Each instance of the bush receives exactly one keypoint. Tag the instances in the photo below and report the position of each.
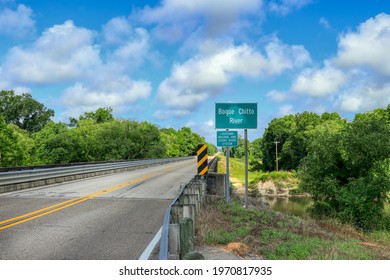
(347, 171)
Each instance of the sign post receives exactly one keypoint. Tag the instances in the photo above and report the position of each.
(236, 116)
(227, 139)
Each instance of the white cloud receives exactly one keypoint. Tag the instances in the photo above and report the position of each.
(284, 7)
(320, 82)
(198, 78)
(217, 8)
(117, 31)
(116, 92)
(285, 110)
(167, 114)
(68, 54)
(278, 96)
(63, 53)
(175, 18)
(16, 23)
(364, 98)
(369, 46)
(131, 53)
(208, 74)
(325, 23)
(281, 57)
(205, 129)
(357, 77)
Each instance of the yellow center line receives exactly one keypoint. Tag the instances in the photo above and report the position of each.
(40, 210)
(44, 214)
(65, 204)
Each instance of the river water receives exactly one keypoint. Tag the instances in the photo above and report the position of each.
(296, 205)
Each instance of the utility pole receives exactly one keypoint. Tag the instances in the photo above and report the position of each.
(276, 143)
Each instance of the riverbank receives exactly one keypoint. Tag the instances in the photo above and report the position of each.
(269, 234)
(269, 184)
(262, 233)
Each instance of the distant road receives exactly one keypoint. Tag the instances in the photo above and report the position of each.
(110, 217)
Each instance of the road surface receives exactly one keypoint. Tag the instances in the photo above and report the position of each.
(110, 217)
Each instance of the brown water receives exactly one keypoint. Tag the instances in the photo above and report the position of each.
(297, 205)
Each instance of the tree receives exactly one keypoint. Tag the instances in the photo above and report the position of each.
(55, 143)
(280, 130)
(188, 141)
(295, 147)
(11, 154)
(24, 111)
(170, 140)
(255, 160)
(211, 149)
(239, 151)
(347, 170)
(99, 116)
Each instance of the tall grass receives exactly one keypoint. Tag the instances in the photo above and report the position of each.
(274, 235)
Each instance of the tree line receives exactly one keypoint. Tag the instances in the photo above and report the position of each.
(344, 165)
(28, 136)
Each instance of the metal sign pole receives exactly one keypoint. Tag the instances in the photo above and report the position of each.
(227, 187)
(246, 166)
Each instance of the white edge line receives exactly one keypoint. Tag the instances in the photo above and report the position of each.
(148, 251)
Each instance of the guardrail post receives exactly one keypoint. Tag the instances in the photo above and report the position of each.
(174, 241)
(186, 237)
(176, 213)
(189, 199)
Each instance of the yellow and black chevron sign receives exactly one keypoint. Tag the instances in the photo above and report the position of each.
(202, 159)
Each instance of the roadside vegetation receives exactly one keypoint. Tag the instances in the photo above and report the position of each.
(343, 165)
(28, 136)
(276, 236)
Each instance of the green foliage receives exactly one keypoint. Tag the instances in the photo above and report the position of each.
(55, 144)
(347, 170)
(99, 116)
(278, 236)
(278, 130)
(294, 134)
(182, 142)
(280, 175)
(211, 149)
(95, 136)
(170, 140)
(10, 151)
(24, 111)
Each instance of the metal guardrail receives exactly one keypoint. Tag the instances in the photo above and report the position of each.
(213, 164)
(163, 253)
(18, 177)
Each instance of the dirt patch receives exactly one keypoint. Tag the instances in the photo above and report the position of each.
(269, 188)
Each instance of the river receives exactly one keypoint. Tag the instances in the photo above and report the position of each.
(297, 205)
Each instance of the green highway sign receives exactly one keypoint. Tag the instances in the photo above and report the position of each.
(227, 138)
(235, 115)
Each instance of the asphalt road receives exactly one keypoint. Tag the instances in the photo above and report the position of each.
(110, 217)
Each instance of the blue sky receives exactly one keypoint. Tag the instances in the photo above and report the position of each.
(168, 62)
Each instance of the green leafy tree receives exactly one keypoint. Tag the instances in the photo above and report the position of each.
(279, 130)
(256, 152)
(211, 149)
(11, 153)
(24, 111)
(169, 139)
(294, 149)
(55, 143)
(347, 170)
(188, 141)
(100, 115)
(239, 151)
